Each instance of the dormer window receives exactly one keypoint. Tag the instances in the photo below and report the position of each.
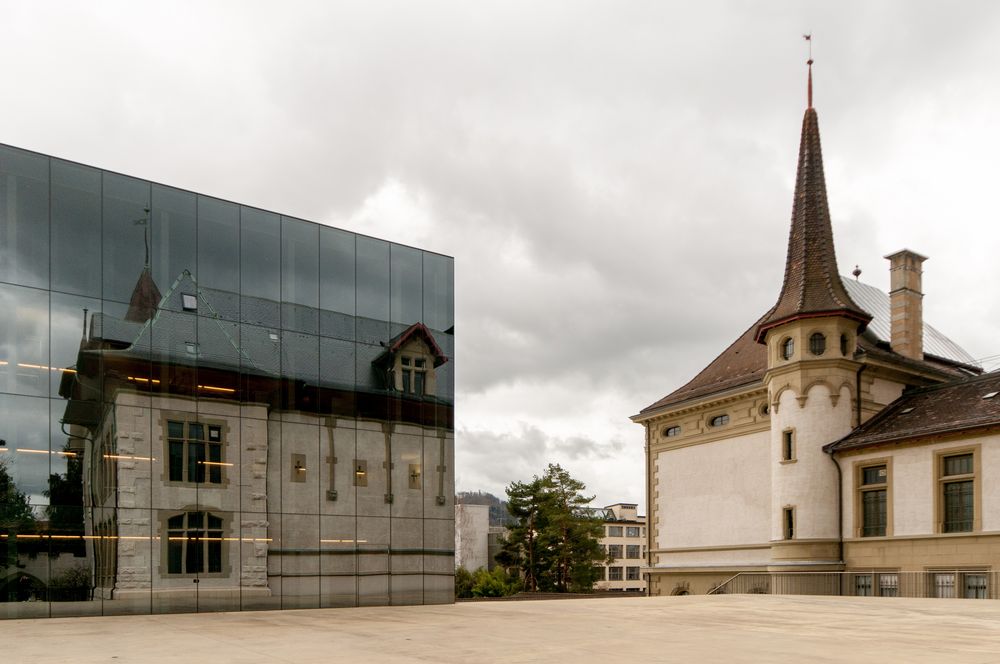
(414, 374)
(189, 302)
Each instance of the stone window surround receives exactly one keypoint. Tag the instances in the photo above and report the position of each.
(165, 516)
(188, 417)
(939, 481)
(857, 473)
(791, 456)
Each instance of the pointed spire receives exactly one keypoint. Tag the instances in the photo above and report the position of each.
(812, 285)
(145, 298)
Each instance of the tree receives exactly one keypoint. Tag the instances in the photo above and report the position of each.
(554, 540)
(15, 515)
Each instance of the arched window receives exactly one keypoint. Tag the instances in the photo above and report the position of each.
(194, 543)
(718, 421)
(670, 432)
(817, 343)
(787, 348)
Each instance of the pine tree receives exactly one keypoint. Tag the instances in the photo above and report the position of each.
(554, 540)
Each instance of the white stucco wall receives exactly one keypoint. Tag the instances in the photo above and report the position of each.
(714, 494)
(914, 484)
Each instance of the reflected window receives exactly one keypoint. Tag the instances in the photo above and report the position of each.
(191, 456)
(414, 373)
(189, 302)
(194, 543)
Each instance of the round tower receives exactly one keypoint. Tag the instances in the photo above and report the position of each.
(811, 335)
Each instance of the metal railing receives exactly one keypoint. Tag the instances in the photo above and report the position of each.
(943, 583)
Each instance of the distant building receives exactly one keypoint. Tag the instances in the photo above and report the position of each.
(625, 541)
(839, 433)
(207, 406)
(472, 529)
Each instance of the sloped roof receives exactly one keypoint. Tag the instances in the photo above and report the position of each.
(963, 405)
(745, 361)
(812, 285)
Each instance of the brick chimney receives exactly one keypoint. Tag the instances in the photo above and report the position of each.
(906, 303)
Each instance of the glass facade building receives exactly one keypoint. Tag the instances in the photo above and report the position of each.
(206, 406)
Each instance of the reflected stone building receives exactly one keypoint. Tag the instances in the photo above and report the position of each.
(206, 406)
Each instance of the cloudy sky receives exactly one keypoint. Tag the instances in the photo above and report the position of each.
(614, 179)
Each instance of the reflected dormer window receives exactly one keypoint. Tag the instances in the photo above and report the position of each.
(189, 302)
(414, 375)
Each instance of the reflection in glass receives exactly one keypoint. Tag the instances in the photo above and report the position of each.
(183, 416)
(24, 218)
(76, 229)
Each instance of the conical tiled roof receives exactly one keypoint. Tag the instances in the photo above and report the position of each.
(812, 285)
(145, 298)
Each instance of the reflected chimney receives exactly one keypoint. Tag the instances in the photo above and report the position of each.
(906, 303)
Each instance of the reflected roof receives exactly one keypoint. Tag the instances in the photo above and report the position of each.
(744, 362)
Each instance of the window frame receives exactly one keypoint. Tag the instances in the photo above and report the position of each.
(817, 344)
(616, 571)
(210, 465)
(788, 522)
(860, 488)
(788, 446)
(719, 420)
(941, 481)
(225, 568)
(616, 551)
(786, 348)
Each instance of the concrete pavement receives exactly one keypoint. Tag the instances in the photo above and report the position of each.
(735, 628)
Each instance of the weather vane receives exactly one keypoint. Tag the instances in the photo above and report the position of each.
(809, 38)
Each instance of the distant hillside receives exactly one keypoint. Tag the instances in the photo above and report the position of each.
(499, 516)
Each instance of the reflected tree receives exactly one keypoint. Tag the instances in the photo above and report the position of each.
(15, 516)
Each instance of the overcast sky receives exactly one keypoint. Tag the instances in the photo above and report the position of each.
(614, 179)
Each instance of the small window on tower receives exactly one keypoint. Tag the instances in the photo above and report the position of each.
(787, 348)
(789, 523)
(817, 343)
(843, 345)
(788, 445)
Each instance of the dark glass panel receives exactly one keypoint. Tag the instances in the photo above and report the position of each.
(406, 279)
(214, 469)
(176, 461)
(373, 278)
(174, 239)
(337, 291)
(76, 229)
(175, 552)
(299, 275)
(24, 452)
(24, 340)
(24, 218)
(67, 342)
(260, 262)
(299, 369)
(959, 509)
(874, 511)
(219, 257)
(874, 475)
(196, 431)
(125, 230)
(196, 462)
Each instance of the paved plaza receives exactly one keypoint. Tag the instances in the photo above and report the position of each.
(747, 628)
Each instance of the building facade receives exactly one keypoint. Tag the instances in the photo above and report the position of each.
(839, 434)
(205, 406)
(624, 542)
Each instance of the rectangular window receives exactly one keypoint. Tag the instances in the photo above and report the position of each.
(614, 531)
(958, 493)
(191, 458)
(863, 585)
(874, 497)
(615, 550)
(631, 573)
(599, 570)
(614, 574)
(632, 551)
(789, 523)
(888, 585)
(787, 446)
(944, 584)
(975, 586)
(631, 531)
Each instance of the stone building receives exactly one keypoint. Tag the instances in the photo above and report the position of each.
(840, 433)
(206, 406)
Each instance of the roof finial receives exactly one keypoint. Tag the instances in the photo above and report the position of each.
(856, 272)
(809, 62)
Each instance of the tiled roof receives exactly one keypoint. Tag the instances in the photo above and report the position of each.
(957, 406)
(145, 297)
(745, 361)
(812, 284)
